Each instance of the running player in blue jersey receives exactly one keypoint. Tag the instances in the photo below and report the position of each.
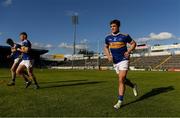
(26, 62)
(16, 55)
(117, 52)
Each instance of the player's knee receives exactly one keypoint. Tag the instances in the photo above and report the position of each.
(121, 80)
(18, 72)
(30, 74)
(13, 70)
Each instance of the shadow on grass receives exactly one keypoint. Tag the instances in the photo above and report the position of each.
(72, 84)
(63, 81)
(153, 92)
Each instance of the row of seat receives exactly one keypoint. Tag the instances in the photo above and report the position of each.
(148, 62)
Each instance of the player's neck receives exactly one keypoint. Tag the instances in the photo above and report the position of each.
(115, 33)
(24, 39)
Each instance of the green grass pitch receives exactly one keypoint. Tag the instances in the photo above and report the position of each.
(90, 93)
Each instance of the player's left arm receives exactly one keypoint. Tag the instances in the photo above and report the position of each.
(132, 47)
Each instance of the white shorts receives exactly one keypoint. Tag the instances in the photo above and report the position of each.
(17, 60)
(27, 63)
(123, 65)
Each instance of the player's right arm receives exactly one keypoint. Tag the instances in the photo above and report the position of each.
(10, 56)
(24, 48)
(107, 52)
(13, 49)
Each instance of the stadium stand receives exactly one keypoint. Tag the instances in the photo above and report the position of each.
(149, 62)
(173, 62)
(158, 57)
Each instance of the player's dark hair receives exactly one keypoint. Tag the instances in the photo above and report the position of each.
(24, 33)
(10, 42)
(117, 22)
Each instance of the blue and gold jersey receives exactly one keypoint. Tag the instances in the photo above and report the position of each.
(16, 54)
(27, 44)
(118, 46)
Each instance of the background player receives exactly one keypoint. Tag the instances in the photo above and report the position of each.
(16, 55)
(26, 62)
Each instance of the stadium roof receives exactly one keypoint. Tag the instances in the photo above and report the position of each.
(7, 50)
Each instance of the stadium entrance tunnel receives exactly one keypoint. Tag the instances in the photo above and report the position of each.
(6, 50)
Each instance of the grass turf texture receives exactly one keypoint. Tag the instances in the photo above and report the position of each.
(90, 93)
